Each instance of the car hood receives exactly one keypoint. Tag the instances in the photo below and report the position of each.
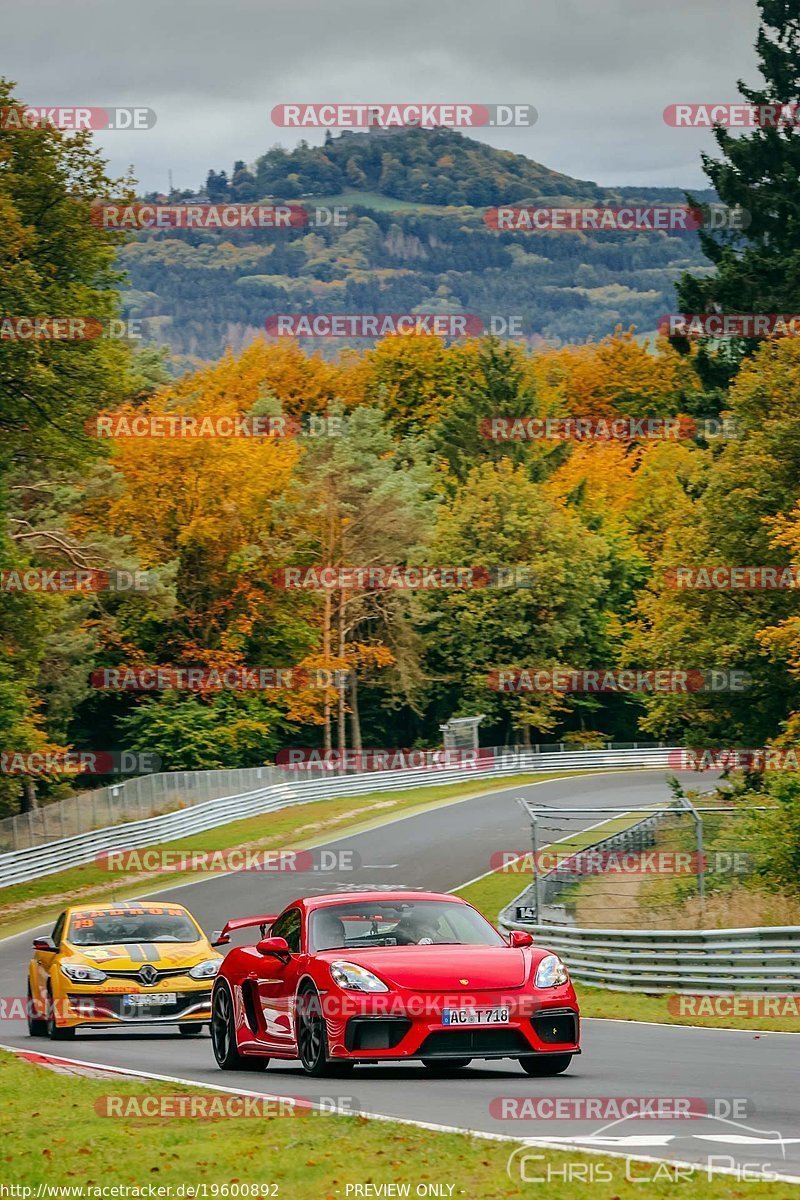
(132, 955)
(441, 968)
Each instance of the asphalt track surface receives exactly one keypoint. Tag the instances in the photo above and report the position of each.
(441, 849)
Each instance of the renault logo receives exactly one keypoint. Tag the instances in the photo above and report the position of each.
(148, 975)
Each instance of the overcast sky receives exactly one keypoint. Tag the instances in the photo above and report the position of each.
(599, 72)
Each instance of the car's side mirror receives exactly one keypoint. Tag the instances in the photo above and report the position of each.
(519, 938)
(277, 946)
(45, 943)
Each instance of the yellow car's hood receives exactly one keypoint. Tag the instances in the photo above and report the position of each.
(132, 955)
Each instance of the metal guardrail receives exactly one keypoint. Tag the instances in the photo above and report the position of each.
(151, 795)
(716, 961)
(712, 961)
(300, 787)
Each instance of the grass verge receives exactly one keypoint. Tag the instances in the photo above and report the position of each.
(56, 1136)
(300, 826)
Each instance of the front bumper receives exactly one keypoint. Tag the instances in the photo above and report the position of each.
(108, 1009)
(379, 1032)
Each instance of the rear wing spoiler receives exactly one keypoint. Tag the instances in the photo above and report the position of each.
(221, 937)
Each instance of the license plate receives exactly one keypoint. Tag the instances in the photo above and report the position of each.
(151, 998)
(475, 1016)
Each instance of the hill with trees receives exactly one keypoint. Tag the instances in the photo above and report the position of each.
(415, 240)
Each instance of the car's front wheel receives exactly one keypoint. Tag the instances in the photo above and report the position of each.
(223, 1035)
(37, 1026)
(190, 1030)
(545, 1064)
(312, 1037)
(443, 1066)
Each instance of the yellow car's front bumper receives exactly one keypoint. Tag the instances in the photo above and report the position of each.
(185, 1001)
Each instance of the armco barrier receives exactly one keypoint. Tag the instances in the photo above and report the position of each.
(714, 961)
(301, 787)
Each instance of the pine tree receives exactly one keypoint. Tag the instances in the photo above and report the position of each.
(757, 269)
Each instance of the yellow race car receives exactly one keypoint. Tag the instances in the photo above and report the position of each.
(134, 963)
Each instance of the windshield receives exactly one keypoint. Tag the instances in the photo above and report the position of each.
(113, 927)
(400, 923)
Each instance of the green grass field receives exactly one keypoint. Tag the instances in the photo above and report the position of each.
(54, 1135)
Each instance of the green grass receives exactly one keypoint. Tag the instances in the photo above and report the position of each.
(55, 1136)
(492, 893)
(635, 1006)
(376, 200)
(300, 826)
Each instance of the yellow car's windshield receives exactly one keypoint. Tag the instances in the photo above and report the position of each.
(109, 928)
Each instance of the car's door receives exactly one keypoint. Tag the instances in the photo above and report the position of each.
(43, 962)
(276, 982)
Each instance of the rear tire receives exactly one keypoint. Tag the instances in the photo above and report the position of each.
(193, 1030)
(56, 1033)
(37, 1026)
(443, 1066)
(223, 1035)
(545, 1064)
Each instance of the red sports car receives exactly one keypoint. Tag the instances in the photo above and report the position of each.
(367, 977)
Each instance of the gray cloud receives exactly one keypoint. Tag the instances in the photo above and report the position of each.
(600, 75)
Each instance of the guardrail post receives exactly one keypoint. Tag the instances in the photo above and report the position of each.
(701, 864)
(536, 890)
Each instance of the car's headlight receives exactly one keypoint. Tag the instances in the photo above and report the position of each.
(551, 972)
(207, 969)
(355, 978)
(80, 973)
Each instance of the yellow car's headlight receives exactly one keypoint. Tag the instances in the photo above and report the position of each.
(80, 973)
(207, 969)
